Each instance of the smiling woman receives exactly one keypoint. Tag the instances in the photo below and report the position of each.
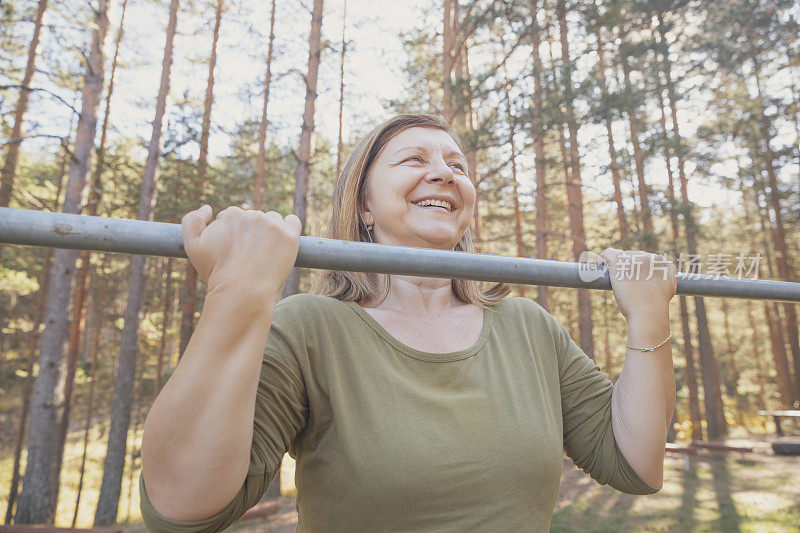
(406, 160)
(409, 404)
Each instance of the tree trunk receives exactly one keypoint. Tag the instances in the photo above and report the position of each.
(167, 312)
(612, 151)
(39, 491)
(341, 91)
(734, 372)
(540, 161)
(258, 202)
(750, 318)
(647, 240)
(609, 366)
(189, 295)
(756, 341)
(515, 193)
(43, 281)
(691, 374)
(303, 170)
(695, 416)
(29, 381)
(9, 172)
(93, 370)
(780, 357)
(795, 114)
(715, 418)
(782, 257)
(106, 512)
(82, 279)
(779, 353)
(447, 61)
(574, 194)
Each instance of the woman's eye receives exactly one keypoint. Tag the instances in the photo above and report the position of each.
(414, 158)
(459, 166)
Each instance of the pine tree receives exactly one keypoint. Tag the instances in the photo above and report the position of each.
(106, 512)
(37, 501)
(189, 293)
(262, 128)
(9, 171)
(303, 171)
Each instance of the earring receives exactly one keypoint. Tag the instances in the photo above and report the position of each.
(369, 227)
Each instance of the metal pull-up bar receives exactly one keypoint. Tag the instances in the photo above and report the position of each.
(103, 234)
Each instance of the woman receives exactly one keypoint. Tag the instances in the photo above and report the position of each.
(410, 404)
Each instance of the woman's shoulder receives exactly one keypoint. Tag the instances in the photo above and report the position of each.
(308, 308)
(528, 312)
(521, 305)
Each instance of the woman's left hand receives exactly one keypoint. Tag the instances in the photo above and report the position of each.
(643, 283)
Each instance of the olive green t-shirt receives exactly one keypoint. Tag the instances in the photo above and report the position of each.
(389, 438)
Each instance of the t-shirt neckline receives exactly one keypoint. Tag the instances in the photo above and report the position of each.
(432, 357)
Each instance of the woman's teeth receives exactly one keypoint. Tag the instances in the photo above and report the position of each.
(437, 203)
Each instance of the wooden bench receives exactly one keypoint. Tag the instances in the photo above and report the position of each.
(686, 451)
(719, 447)
(777, 415)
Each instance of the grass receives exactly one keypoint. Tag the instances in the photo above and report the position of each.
(720, 493)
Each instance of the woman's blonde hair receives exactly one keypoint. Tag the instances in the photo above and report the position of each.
(347, 223)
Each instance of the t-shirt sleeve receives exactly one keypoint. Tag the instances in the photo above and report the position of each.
(281, 413)
(586, 410)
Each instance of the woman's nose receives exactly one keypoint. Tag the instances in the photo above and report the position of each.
(441, 173)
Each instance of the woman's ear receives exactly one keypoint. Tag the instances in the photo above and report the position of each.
(366, 214)
(367, 217)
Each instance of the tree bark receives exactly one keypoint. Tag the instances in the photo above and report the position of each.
(339, 144)
(29, 381)
(43, 281)
(540, 161)
(756, 342)
(695, 416)
(612, 151)
(574, 194)
(106, 512)
(780, 356)
(9, 171)
(783, 258)
(301, 175)
(515, 193)
(189, 295)
(447, 61)
(93, 369)
(258, 202)
(167, 312)
(715, 417)
(82, 279)
(39, 491)
(648, 240)
(734, 372)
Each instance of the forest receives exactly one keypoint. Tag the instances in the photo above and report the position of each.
(669, 126)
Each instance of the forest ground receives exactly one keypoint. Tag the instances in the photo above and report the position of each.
(730, 493)
(734, 492)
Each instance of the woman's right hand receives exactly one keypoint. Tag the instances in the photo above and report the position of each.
(247, 250)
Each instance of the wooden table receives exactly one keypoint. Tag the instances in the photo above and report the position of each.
(777, 415)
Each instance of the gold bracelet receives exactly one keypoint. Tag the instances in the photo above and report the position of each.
(657, 346)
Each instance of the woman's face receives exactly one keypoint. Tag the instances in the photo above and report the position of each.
(418, 191)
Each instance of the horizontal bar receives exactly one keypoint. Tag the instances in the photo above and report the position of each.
(103, 234)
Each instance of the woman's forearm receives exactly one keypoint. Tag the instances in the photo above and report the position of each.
(644, 396)
(198, 433)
